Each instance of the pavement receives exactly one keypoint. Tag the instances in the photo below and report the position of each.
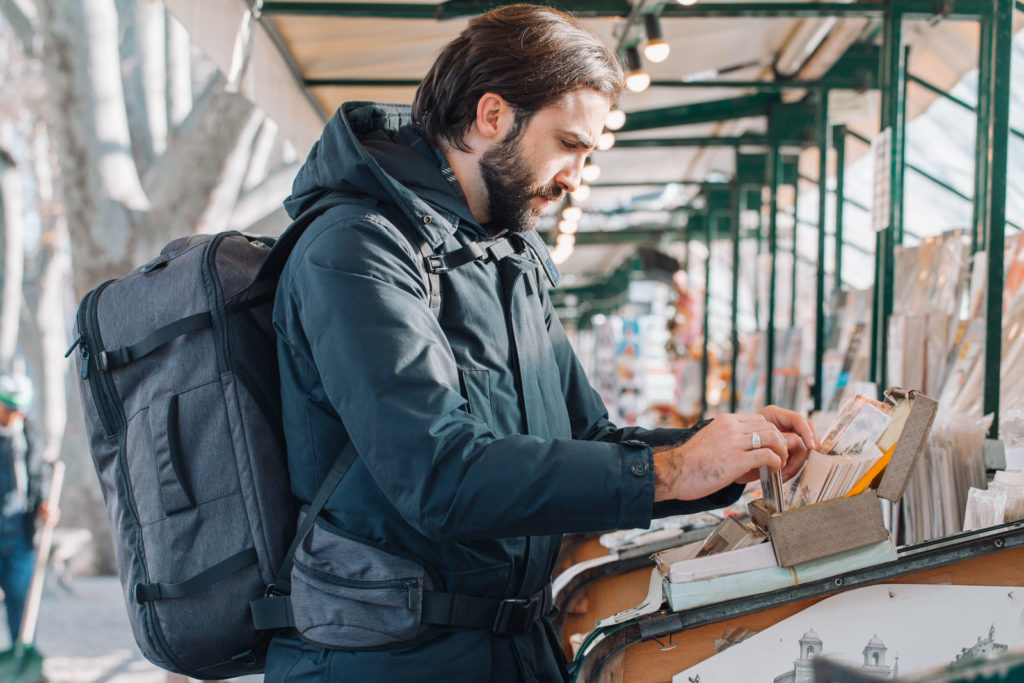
(84, 635)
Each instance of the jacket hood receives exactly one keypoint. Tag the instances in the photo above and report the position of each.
(359, 153)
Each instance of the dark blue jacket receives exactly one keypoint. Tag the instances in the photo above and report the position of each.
(479, 438)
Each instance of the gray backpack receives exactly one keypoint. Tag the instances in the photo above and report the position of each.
(180, 389)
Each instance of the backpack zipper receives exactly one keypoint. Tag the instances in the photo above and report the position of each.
(89, 335)
(356, 583)
(216, 296)
(154, 624)
(104, 392)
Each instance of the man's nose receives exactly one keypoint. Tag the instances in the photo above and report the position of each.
(569, 178)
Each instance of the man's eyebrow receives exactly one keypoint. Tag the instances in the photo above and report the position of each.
(582, 139)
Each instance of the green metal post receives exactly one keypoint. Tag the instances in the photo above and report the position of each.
(893, 77)
(824, 143)
(737, 208)
(998, 92)
(704, 365)
(775, 175)
(839, 142)
(757, 257)
(796, 226)
(981, 140)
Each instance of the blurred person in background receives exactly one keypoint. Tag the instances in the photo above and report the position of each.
(23, 482)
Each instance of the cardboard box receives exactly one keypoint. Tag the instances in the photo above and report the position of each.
(833, 526)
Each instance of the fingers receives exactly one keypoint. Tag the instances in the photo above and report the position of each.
(771, 440)
(762, 457)
(741, 433)
(796, 462)
(788, 421)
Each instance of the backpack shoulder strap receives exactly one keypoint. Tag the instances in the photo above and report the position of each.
(420, 244)
(274, 263)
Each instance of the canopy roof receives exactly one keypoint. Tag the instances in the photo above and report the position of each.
(306, 58)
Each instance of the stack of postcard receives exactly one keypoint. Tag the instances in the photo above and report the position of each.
(854, 451)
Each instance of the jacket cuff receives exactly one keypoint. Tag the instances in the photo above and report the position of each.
(638, 485)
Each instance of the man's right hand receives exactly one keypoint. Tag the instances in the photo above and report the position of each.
(720, 454)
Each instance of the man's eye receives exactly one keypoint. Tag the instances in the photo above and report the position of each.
(569, 144)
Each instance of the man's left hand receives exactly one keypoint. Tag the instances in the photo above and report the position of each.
(799, 434)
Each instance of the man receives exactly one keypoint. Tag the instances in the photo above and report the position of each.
(476, 439)
(21, 494)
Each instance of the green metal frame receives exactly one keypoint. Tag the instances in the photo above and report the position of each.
(774, 178)
(824, 145)
(994, 85)
(699, 112)
(704, 365)
(737, 202)
(960, 9)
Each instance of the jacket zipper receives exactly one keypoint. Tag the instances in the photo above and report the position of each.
(518, 377)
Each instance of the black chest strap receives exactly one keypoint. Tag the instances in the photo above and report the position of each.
(489, 251)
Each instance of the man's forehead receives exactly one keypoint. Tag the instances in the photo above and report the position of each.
(583, 111)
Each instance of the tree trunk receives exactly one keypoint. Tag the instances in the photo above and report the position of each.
(13, 228)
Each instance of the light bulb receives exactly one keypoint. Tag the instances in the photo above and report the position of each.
(607, 139)
(638, 81)
(591, 172)
(561, 254)
(656, 51)
(582, 193)
(572, 213)
(567, 227)
(565, 241)
(616, 119)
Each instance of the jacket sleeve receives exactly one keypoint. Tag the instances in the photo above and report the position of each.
(589, 419)
(388, 371)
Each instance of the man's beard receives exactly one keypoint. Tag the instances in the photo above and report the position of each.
(510, 189)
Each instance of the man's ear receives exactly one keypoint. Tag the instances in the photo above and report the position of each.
(494, 116)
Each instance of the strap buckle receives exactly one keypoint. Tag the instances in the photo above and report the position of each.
(436, 263)
(515, 615)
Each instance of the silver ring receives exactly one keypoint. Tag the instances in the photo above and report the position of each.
(755, 441)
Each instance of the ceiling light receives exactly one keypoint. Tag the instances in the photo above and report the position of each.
(591, 171)
(656, 49)
(616, 119)
(572, 213)
(582, 193)
(568, 227)
(607, 139)
(561, 254)
(638, 80)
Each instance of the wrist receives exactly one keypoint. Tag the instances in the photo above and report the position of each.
(665, 474)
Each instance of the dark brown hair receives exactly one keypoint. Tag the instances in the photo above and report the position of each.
(529, 54)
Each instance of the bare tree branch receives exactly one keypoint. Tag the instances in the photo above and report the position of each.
(179, 72)
(12, 225)
(182, 182)
(21, 24)
(259, 164)
(260, 210)
(225, 193)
